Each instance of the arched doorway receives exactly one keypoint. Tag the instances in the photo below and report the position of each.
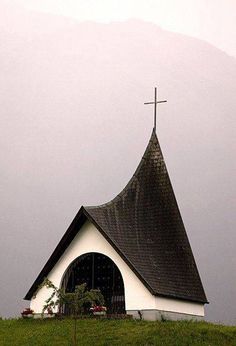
(98, 272)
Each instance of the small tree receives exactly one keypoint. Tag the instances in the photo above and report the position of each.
(77, 301)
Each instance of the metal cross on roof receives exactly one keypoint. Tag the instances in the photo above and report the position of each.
(155, 106)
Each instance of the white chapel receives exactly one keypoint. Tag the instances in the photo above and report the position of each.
(134, 249)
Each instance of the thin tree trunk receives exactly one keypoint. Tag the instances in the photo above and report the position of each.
(75, 331)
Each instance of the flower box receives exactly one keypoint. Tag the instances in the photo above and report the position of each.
(99, 313)
(27, 313)
(98, 310)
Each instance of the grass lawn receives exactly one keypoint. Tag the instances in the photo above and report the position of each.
(114, 332)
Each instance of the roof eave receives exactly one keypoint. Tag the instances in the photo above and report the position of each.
(170, 296)
(57, 253)
(66, 240)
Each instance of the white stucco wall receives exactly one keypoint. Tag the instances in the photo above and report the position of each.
(137, 296)
(177, 305)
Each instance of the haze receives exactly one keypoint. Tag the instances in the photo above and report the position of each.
(210, 20)
(74, 128)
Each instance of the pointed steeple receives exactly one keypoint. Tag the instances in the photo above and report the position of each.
(145, 224)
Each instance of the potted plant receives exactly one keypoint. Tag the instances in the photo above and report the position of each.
(98, 310)
(27, 312)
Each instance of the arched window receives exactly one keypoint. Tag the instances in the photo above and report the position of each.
(98, 272)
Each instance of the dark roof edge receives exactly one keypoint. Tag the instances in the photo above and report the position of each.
(177, 206)
(57, 253)
(153, 136)
(181, 298)
(65, 241)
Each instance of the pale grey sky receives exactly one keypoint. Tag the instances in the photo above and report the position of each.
(210, 20)
(59, 150)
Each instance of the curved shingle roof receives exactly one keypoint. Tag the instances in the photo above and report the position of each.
(143, 223)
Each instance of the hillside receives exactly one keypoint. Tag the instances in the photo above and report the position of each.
(108, 332)
(74, 128)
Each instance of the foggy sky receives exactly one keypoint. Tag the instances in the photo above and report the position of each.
(210, 20)
(74, 128)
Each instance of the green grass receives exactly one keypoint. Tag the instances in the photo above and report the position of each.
(114, 332)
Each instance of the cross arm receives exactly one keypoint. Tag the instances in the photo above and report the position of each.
(152, 103)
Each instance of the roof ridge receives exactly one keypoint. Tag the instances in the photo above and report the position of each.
(152, 139)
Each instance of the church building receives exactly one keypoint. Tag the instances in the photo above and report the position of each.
(134, 249)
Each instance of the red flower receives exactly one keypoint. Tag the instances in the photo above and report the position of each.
(27, 311)
(99, 308)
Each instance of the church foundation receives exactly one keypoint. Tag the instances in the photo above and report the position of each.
(159, 315)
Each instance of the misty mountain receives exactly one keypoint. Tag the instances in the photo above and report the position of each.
(74, 128)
